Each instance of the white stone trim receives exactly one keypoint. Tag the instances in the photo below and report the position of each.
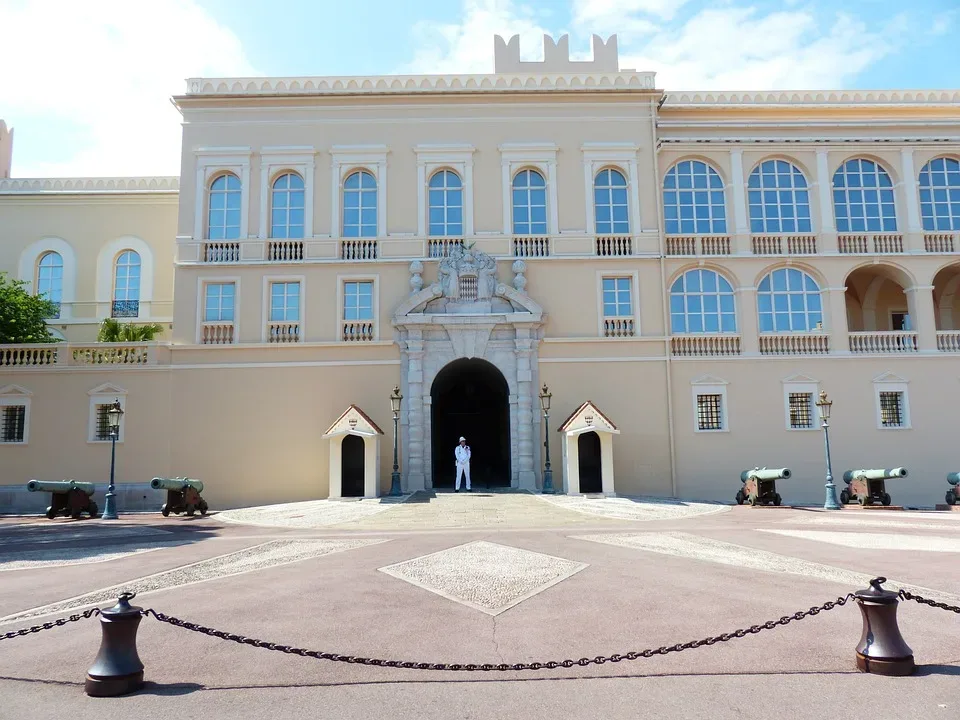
(888, 382)
(90, 186)
(202, 283)
(708, 385)
(344, 159)
(820, 98)
(541, 156)
(798, 386)
(13, 396)
(105, 395)
(106, 268)
(268, 280)
(430, 159)
(274, 160)
(634, 277)
(28, 269)
(363, 277)
(213, 161)
(739, 196)
(623, 157)
(824, 182)
(911, 182)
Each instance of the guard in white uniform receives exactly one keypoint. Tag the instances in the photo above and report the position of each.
(462, 454)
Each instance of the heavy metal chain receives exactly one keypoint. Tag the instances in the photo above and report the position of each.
(907, 595)
(52, 624)
(582, 662)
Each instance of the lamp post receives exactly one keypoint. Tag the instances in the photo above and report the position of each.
(395, 399)
(824, 404)
(545, 396)
(113, 420)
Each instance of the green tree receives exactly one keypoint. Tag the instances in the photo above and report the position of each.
(113, 331)
(22, 315)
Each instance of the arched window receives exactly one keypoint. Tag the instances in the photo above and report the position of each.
(788, 300)
(286, 207)
(777, 194)
(610, 205)
(701, 301)
(693, 199)
(529, 203)
(360, 205)
(940, 195)
(446, 204)
(223, 208)
(50, 278)
(126, 285)
(863, 198)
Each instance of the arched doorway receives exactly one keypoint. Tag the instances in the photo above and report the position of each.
(588, 446)
(471, 398)
(351, 466)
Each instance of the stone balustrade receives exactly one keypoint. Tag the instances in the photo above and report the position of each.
(870, 243)
(693, 245)
(794, 344)
(357, 331)
(883, 342)
(533, 246)
(784, 244)
(283, 332)
(704, 345)
(285, 250)
(618, 327)
(359, 249)
(80, 354)
(216, 333)
(948, 341)
(614, 245)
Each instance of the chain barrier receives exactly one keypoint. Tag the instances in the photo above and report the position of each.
(52, 624)
(907, 595)
(503, 667)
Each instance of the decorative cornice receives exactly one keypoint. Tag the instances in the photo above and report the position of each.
(168, 184)
(814, 97)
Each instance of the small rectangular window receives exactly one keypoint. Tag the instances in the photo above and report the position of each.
(13, 423)
(710, 412)
(102, 431)
(358, 300)
(285, 302)
(219, 302)
(617, 301)
(891, 409)
(801, 410)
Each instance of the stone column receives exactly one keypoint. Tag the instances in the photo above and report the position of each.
(416, 418)
(922, 318)
(913, 242)
(836, 317)
(527, 478)
(741, 230)
(747, 320)
(828, 230)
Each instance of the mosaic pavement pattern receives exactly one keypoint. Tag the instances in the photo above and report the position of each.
(913, 521)
(639, 508)
(876, 541)
(266, 555)
(37, 559)
(310, 514)
(486, 576)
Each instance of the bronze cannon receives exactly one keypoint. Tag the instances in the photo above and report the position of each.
(183, 495)
(869, 486)
(953, 496)
(67, 497)
(760, 486)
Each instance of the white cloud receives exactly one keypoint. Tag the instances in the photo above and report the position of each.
(105, 69)
(943, 22)
(620, 16)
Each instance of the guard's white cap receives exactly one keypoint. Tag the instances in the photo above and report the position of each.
(463, 439)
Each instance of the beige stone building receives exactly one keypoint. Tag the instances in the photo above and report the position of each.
(698, 266)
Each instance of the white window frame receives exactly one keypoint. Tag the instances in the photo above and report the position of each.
(274, 161)
(202, 283)
(541, 157)
(30, 257)
(711, 386)
(619, 156)
(105, 395)
(892, 384)
(811, 388)
(213, 161)
(346, 159)
(106, 272)
(634, 278)
(430, 159)
(342, 280)
(14, 396)
(268, 280)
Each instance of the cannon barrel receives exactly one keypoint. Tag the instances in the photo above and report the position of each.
(60, 486)
(953, 478)
(179, 483)
(878, 474)
(766, 474)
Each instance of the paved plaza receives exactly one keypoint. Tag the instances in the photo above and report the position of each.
(483, 577)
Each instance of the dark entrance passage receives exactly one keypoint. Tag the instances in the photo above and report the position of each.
(351, 466)
(588, 446)
(471, 398)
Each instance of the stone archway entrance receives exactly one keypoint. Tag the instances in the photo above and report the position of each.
(470, 397)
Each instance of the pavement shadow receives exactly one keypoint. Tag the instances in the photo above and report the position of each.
(169, 689)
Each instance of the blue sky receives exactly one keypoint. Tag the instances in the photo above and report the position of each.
(96, 101)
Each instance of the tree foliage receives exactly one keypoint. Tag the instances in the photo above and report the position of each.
(22, 315)
(113, 331)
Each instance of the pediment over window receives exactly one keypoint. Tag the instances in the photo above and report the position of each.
(889, 377)
(586, 418)
(353, 421)
(14, 391)
(709, 380)
(107, 389)
(800, 378)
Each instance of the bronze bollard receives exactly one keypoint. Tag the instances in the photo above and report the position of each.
(117, 669)
(882, 649)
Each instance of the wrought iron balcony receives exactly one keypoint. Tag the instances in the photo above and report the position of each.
(125, 309)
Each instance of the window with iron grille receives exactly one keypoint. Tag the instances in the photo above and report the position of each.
(801, 410)
(891, 409)
(103, 422)
(13, 423)
(710, 412)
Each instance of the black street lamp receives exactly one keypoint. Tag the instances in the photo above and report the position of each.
(395, 399)
(113, 421)
(545, 396)
(830, 502)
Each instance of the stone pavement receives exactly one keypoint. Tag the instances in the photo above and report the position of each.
(508, 577)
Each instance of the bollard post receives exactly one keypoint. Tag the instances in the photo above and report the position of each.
(882, 649)
(117, 669)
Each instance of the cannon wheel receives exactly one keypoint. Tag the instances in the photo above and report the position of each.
(93, 509)
(203, 507)
(740, 497)
(845, 497)
(50, 513)
(191, 510)
(885, 499)
(951, 497)
(752, 499)
(777, 499)
(165, 510)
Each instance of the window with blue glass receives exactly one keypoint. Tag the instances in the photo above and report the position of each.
(285, 302)
(701, 301)
(610, 206)
(778, 198)
(358, 300)
(788, 300)
(445, 204)
(287, 207)
(126, 285)
(940, 195)
(218, 302)
(617, 301)
(863, 198)
(50, 277)
(693, 199)
(529, 203)
(223, 208)
(360, 205)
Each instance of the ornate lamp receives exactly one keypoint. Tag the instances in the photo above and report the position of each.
(824, 404)
(114, 414)
(395, 400)
(545, 396)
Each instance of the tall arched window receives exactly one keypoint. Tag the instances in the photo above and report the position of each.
(863, 198)
(126, 285)
(286, 207)
(446, 204)
(701, 301)
(693, 199)
(50, 279)
(360, 205)
(529, 203)
(940, 195)
(788, 300)
(223, 208)
(778, 198)
(610, 206)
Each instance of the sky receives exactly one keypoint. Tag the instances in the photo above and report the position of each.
(86, 86)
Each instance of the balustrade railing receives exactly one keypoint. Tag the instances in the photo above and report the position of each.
(29, 355)
(618, 327)
(704, 345)
(221, 252)
(784, 244)
(863, 244)
(285, 250)
(939, 242)
(614, 245)
(531, 246)
(283, 332)
(883, 342)
(795, 344)
(441, 247)
(79, 354)
(357, 331)
(948, 341)
(359, 249)
(216, 333)
(689, 245)
(110, 354)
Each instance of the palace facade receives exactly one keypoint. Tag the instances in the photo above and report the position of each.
(686, 271)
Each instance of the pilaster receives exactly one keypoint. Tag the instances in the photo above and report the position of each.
(924, 321)
(837, 320)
